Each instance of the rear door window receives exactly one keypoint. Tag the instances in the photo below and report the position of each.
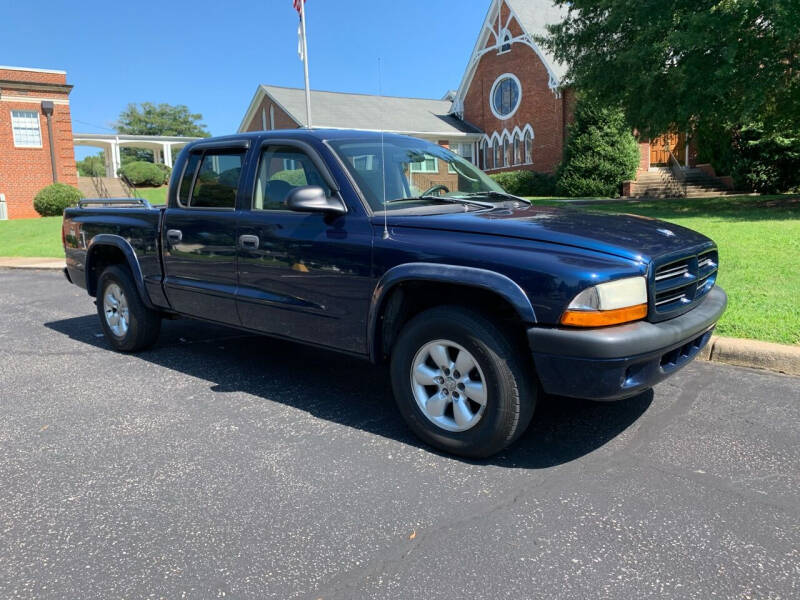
(217, 181)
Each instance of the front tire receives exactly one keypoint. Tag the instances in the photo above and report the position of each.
(129, 326)
(460, 383)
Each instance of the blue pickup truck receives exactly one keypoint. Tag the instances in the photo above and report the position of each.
(390, 248)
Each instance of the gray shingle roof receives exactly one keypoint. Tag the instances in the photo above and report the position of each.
(361, 111)
(535, 16)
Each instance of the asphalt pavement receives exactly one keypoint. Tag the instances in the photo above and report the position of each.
(222, 464)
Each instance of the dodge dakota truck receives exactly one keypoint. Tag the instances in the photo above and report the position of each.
(390, 248)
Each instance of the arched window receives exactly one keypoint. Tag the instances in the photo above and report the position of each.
(498, 162)
(528, 148)
(486, 152)
(506, 148)
(517, 150)
(506, 45)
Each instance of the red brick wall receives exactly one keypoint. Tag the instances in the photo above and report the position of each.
(282, 119)
(24, 171)
(644, 155)
(540, 107)
(34, 76)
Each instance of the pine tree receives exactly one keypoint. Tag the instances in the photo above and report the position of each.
(601, 153)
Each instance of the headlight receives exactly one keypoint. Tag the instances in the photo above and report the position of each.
(609, 303)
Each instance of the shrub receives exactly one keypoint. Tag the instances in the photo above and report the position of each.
(53, 199)
(144, 173)
(526, 183)
(601, 153)
(768, 163)
(167, 170)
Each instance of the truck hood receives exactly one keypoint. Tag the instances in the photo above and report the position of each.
(627, 236)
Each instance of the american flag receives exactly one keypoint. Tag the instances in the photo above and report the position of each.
(298, 4)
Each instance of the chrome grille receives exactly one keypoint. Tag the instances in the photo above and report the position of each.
(680, 282)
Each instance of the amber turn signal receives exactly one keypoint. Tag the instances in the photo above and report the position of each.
(602, 318)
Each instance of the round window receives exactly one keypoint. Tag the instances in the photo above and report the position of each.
(506, 96)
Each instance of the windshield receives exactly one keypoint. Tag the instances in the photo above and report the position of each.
(416, 172)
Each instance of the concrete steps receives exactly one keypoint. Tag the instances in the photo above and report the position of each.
(103, 187)
(662, 183)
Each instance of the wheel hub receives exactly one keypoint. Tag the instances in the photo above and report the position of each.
(115, 310)
(448, 385)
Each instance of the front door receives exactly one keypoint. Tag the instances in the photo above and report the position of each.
(661, 147)
(199, 237)
(305, 276)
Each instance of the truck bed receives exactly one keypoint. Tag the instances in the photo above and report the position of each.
(133, 220)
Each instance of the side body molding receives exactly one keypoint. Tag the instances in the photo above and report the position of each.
(108, 239)
(469, 276)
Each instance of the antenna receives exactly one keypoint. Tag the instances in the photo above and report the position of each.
(383, 155)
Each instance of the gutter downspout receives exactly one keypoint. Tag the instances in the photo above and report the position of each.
(47, 110)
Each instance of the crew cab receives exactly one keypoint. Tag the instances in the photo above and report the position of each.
(390, 248)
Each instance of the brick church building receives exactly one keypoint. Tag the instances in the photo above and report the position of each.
(35, 136)
(509, 112)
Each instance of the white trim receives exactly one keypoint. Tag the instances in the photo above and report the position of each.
(31, 100)
(482, 47)
(129, 137)
(32, 70)
(497, 82)
(272, 116)
(263, 118)
(525, 130)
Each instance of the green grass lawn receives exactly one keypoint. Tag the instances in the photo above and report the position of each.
(155, 196)
(31, 237)
(759, 247)
(758, 239)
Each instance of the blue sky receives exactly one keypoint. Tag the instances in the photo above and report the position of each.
(212, 55)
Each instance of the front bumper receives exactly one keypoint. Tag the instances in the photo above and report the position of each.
(611, 363)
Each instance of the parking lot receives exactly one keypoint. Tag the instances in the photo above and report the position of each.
(222, 464)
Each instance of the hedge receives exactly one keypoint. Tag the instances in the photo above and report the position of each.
(526, 183)
(144, 173)
(51, 201)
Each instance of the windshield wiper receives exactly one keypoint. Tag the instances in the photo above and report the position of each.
(496, 194)
(446, 199)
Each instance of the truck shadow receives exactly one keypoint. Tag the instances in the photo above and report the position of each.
(353, 392)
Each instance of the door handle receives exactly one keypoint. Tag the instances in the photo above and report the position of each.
(249, 241)
(174, 236)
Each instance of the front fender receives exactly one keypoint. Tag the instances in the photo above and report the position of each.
(492, 281)
(119, 242)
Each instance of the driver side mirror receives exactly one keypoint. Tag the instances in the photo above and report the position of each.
(312, 199)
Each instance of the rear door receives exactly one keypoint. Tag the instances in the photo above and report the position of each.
(199, 235)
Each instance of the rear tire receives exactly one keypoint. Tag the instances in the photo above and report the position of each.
(473, 414)
(129, 326)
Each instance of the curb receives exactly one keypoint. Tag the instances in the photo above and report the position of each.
(24, 262)
(754, 354)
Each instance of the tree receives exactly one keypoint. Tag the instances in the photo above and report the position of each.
(157, 119)
(92, 166)
(601, 152)
(161, 119)
(671, 64)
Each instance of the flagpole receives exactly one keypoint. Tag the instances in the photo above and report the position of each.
(305, 63)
